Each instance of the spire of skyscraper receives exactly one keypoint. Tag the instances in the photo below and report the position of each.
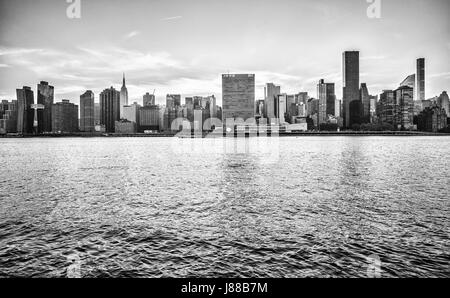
(123, 84)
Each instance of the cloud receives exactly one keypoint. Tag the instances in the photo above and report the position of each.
(4, 65)
(373, 58)
(439, 75)
(172, 18)
(131, 34)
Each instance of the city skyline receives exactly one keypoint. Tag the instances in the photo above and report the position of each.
(170, 51)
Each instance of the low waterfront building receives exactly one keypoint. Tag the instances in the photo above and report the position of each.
(124, 126)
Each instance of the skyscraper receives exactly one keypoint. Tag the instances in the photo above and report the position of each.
(45, 94)
(173, 101)
(271, 92)
(238, 91)
(25, 115)
(365, 103)
(123, 96)
(404, 107)
(420, 80)
(148, 99)
(351, 98)
(109, 108)
(87, 112)
(281, 108)
(444, 102)
(327, 100)
(64, 117)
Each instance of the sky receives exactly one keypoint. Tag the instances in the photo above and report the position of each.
(183, 46)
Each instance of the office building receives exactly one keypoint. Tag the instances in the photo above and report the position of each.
(387, 108)
(25, 114)
(8, 116)
(432, 119)
(365, 103)
(404, 115)
(124, 126)
(327, 98)
(149, 118)
(45, 94)
(271, 92)
(173, 101)
(351, 100)
(64, 117)
(149, 99)
(444, 102)
(420, 79)
(238, 91)
(109, 108)
(123, 97)
(87, 112)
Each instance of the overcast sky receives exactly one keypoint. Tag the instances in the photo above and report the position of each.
(184, 46)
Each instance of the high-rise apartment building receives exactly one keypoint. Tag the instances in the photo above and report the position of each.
(327, 100)
(351, 100)
(87, 112)
(109, 108)
(420, 79)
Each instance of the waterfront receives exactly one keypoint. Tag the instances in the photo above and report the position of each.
(166, 207)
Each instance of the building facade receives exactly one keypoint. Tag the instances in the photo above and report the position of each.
(123, 97)
(327, 100)
(109, 108)
(87, 112)
(420, 79)
(351, 110)
(8, 116)
(238, 91)
(25, 114)
(45, 97)
(149, 118)
(271, 92)
(64, 117)
(404, 115)
(149, 99)
(432, 119)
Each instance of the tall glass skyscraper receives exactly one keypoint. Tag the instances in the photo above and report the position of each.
(351, 100)
(45, 97)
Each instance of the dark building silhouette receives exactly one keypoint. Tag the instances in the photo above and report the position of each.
(350, 65)
(45, 97)
(8, 116)
(65, 117)
(25, 114)
(109, 108)
(432, 119)
(87, 112)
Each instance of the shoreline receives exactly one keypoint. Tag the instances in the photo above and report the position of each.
(218, 135)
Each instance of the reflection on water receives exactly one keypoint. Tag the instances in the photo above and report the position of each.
(288, 207)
